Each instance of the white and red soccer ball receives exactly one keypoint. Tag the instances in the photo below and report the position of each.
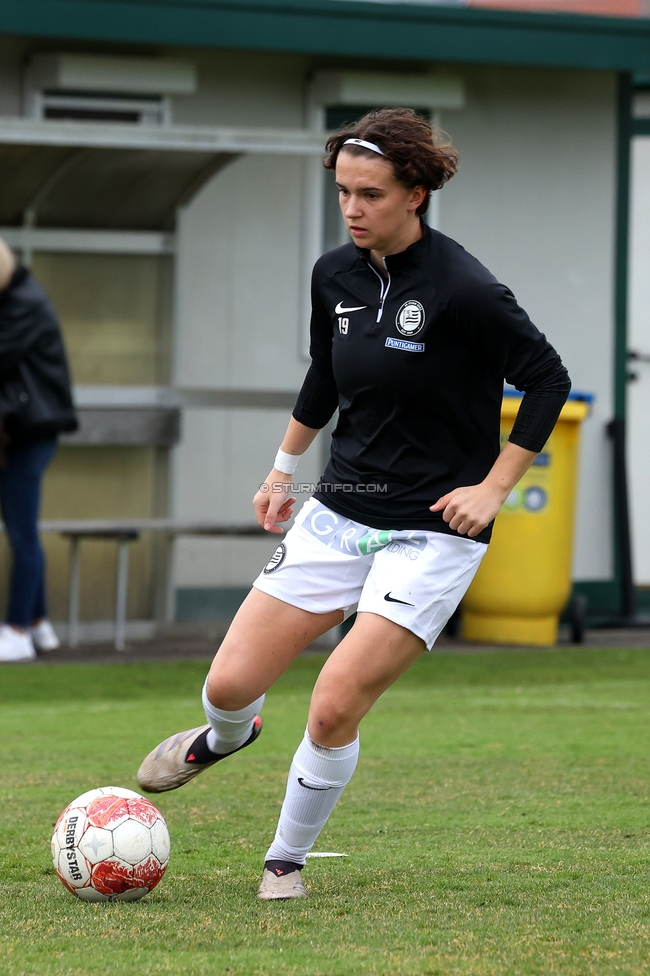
(110, 844)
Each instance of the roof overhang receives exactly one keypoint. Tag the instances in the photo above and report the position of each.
(345, 28)
(67, 174)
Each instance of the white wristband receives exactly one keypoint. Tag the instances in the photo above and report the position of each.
(286, 463)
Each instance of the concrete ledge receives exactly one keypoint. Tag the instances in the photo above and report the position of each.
(137, 427)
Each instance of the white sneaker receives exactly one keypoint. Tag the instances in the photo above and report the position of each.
(15, 646)
(44, 637)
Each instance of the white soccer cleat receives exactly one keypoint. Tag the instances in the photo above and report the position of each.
(173, 763)
(44, 637)
(282, 886)
(15, 646)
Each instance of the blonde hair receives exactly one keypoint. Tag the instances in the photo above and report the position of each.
(7, 265)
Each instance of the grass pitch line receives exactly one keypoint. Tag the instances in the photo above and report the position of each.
(326, 854)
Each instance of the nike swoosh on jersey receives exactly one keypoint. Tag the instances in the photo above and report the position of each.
(340, 310)
(319, 788)
(392, 599)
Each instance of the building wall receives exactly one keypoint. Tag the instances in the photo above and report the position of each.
(115, 317)
(115, 321)
(534, 200)
(237, 329)
(244, 89)
(239, 279)
(238, 318)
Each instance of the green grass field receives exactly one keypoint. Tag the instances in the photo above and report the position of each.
(498, 823)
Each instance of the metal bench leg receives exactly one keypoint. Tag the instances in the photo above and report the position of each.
(73, 596)
(122, 590)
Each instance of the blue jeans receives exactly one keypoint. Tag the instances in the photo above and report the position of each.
(20, 497)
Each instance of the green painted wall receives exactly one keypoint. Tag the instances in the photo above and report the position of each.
(402, 32)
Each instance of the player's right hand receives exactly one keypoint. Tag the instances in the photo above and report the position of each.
(272, 503)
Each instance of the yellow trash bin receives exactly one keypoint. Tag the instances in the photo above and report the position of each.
(524, 581)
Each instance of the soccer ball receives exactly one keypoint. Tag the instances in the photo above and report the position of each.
(110, 844)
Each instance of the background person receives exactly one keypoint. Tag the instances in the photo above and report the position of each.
(35, 405)
(411, 338)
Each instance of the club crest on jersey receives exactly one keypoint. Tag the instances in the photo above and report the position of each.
(276, 559)
(410, 318)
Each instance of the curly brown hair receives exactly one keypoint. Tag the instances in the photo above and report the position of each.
(417, 150)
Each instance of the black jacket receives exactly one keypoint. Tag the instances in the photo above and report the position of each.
(35, 394)
(415, 362)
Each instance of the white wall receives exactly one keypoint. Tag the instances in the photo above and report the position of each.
(243, 88)
(238, 278)
(534, 201)
(218, 467)
(238, 299)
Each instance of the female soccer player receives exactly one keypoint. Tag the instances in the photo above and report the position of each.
(411, 338)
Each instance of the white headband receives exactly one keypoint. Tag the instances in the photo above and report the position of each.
(365, 145)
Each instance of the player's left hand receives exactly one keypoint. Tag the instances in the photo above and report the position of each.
(469, 510)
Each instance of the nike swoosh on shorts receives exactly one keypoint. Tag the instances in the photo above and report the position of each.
(391, 599)
(339, 310)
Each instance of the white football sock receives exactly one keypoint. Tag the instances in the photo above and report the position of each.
(317, 777)
(230, 730)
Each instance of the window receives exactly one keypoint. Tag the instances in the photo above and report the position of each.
(104, 88)
(82, 106)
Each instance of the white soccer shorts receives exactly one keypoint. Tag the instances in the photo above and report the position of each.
(329, 562)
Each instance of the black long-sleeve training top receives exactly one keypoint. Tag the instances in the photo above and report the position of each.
(35, 394)
(415, 362)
